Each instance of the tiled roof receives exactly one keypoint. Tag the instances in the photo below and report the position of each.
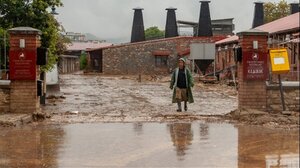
(285, 24)
(82, 46)
(282, 25)
(228, 40)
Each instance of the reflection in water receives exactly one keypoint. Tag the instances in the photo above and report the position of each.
(182, 136)
(268, 148)
(30, 147)
(138, 128)
(149, 145)
(279, 161)
(204, 130)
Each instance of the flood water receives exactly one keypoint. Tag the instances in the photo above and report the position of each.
(198, 144)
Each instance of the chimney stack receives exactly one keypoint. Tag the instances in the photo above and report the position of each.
(204, 26)
(258, 14)
(138, 31)
(171, 25)
(294, 7)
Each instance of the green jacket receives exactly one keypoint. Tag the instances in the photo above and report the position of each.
(189, 81)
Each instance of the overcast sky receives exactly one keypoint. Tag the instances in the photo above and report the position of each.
(112, 19)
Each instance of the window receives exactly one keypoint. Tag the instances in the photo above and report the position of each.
(161, 61)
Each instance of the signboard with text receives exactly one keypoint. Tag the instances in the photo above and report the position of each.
(22, 65)
(255, 66)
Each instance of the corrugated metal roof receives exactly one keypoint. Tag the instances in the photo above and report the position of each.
(282, 25)
(82, 46)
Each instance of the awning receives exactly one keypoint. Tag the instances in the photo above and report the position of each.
(161, 53)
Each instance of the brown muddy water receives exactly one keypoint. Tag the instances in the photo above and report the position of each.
(110, 145)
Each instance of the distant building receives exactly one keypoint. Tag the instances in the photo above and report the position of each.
(69, 62)
(74, 36)
(146, 57)
(219, 27)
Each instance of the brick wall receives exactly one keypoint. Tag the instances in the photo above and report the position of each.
(138, 57)
(225, 57)
(23, 93)
(4, 100)
(252, 94)
(291, 96)
(23, 97)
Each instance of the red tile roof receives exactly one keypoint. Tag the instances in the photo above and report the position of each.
(228, 40)
(286, 24)
(282, 25)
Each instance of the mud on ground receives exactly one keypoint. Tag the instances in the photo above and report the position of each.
(98, 98)
(273, 120)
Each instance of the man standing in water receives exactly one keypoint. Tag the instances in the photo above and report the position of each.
(181, 84)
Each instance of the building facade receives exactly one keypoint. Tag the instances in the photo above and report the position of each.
(148, 57)
(283, 33)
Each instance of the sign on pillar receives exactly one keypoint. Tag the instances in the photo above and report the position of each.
(23, 65)
(255, 63)
(253, 69)
(23, 69)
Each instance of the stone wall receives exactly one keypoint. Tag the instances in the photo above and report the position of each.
(4, 100)
(138, 58)
(291, 96)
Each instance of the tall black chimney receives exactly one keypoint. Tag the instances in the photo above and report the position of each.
(138, 31)
(204, 27)
(294, 7)
(171, 25)
(258, 14)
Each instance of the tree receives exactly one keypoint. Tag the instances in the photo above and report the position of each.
(274, 11)
(34, 13)
(83, 61)
(154, 33)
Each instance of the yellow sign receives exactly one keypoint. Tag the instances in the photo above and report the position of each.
(280, 61)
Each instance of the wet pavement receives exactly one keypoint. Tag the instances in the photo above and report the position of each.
(92, 98)
(111, 145)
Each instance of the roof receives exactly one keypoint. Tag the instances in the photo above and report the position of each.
(228, 40)
(68, 56)
(286, 24)
(25, 30)
(82, 46)
(214, 38)
(282, 25)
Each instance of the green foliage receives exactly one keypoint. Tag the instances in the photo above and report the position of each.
(83, 61)
(3, 34)
(34, 13)
(154, 33)
(274, 11)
